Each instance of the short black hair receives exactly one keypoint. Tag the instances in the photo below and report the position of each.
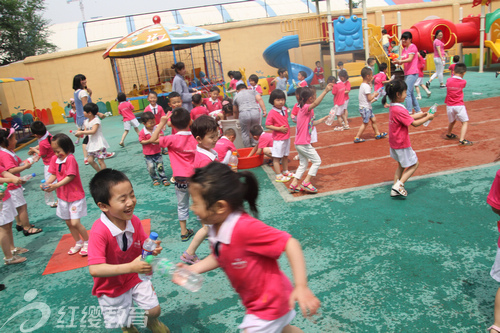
(343, 73)
(370, 60)
(256, 130)
(281, 71)
(253, 78)
(100, 185)
(365, 72)
(203, 125)
(64, 142)
(91, 107)
(241, 86)
(230, 132)
(460, 68)
(340, 63)
(152, 92)
(304, 74)
(423, 53)
(173, 94)
(406, 35)
(121, 97)
(196, 98)
(331, 79)
(215, 88)
(384, 31)
(276, 94)
(382, 67)
(456, 58)
(237, 75)
(180, 118)
(230, 74)
(147, 116)
(38, 128)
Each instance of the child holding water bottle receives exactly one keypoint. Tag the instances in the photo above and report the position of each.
(248, 250)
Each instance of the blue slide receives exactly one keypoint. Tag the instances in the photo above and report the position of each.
(276, 55)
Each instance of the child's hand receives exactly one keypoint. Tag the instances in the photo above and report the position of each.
(283, 129)
(16, 180)
(308, 303)
(375, 94)
(430, 115)
(179, 280)
(2, 194)
(31, 151)
(78, 133)
(27, 166)
(329, 86)
(158, 249)
(164, 119)
(139, 266)
(50, 187)
(322, 120)
(36, 158)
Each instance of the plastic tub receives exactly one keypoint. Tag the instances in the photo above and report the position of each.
(249, 162)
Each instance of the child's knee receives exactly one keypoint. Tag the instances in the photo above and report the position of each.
(154, 312)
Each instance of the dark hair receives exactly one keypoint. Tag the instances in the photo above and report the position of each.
(460, 68)
(4, 133)
(393, 42)
(241, 86)
(77, 81)
(382, 67)
(394, 88)
(230, 74)
(219, 182)
(64, 142)
(145, 116)
(237, 75)
(100, 185)
(37, 127)
(256, 130)
(173, 94)
(152, 92)
(437, 33)
(406, 35)
(423, 53)
(317, 62)
(227, 108)
(215, 88)
(196, 98)
(365, 72)
(121, 97)
(298, 91)
(178, 66)
(276, 94)
(253, 78)
(281, 71)
(230, 132)
(331, 79)
(370, 59)
(304, 74)
(305, 94)
(384, 31)
(91, 107)
(180, 118)
(343, 73)
(340, 63)
(456, 58)
(203, 125)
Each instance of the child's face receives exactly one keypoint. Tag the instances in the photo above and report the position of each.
(175, 102)
(150, 124)
(208, 215)
(152, 99)
(253, 83)
(369, 77)
(12, 142)
(371, 63)
(279, 103)
(342, 78)
(209, 140)
(318, 64)
(60, 154)
(214, 95)
(300, 77)
(232, 137)
(88, 115)
(401, 97)
(297, 96)
(312, 98)
(122, 202)
(285, 73)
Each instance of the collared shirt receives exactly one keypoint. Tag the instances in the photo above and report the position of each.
(117, 233)
(203, 157)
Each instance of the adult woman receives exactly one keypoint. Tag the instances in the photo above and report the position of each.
(180, 86)
(439, 59)
(246, 109)
(410, 60)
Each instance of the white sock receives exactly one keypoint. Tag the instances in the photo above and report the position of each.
(80, 242)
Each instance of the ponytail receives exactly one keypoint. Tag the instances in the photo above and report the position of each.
(251, 190)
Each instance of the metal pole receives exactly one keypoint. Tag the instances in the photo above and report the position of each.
(460, 19)
(481, 39)
(399, 25)
(350, 8)
(321, 58)
(330, 37)
(365, 31)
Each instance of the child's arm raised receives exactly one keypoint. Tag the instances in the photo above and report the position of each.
(156, 134)
(320, 98)
(107, 270)
(420, 118)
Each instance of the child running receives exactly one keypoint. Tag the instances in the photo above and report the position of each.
(152, 151)
(126, 109)
(303, 139)
(419, 83)
(493, 200)
(225, 145)
(277, 121)
(115, 252)
(455, 107)
(338, 91)
(247, 250)
(399, 139)
(72, 204)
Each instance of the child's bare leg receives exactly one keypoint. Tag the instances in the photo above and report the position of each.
(408, 172)
(81, 229)
(339, 121)
(85, 153)
(267, 152)
(450, 127)
(361, 130)
(375, 126)
(496, 311)
(124, 135)
(102, 164)
(399, 173)
(463, 131)
(153, 323)
(137, 130)
(22, 218)
(184, 230)
(93, 163)
(344, 117)
(73, 230)
(417, 89)
(425, 88)
(284, 163)
(291, 329)
(276, 165)
(198, 238)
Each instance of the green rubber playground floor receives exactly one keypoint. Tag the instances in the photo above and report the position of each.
(376, 264)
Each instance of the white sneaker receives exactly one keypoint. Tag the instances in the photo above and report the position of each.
(419, 96)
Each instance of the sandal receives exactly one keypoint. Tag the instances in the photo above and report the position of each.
(27, 232)
(75, 249)
(19, 250)
(451, 136)
(288, 174)
(358, 140)
(165, 182)
(338, 128)
(295, 189)
(156, 183)
(309, 188)
(493, 327)
(465, 143)
(20, 227)
(185, 238)
(84, 250)
(14, 260)
(189, 259)
(399, 188)
(282, 179)
(381, 135)
(53, 205)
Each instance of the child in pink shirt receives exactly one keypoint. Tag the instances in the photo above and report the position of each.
(213, 103)
(338, 91)
(152, 151)
(198, 109)
(302, 79)
(126, 109)
(72, 205)
(296, 107)
(247, 250)
(421, 66)
(493, 200)
(264, 142)
(455, 107)
(225, 146)
(153, 107)
(320, 74)
(399, 139)
(305, 123)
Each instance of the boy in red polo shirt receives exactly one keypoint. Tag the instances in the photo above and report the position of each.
(152, 151)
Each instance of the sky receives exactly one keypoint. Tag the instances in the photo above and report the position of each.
(60, 11)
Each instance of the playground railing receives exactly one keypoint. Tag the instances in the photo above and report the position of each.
(377, 51)
(311, 30)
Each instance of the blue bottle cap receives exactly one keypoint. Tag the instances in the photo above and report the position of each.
(33, 174)
(42, 181)
(153, 235)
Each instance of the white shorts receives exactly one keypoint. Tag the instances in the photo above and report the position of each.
(457, 112)
(405, 156)
(8, 213)
(116, 311)
(280, 148)
(346, 104)
(338, 109)
(17, 197)
(321, 80)
(418, 82)
(134, 122)
(253, 324)
(72, 210)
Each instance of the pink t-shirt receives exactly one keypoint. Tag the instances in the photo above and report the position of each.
(378, 80)
(157, 110)
(198, 111)
(493, 198)
(303, 83)
(9, 160)
(265, 140)
(248, 251)
(73, 190)
(295, 110)
(347, 89)
(455, 91)
(7, 193)
(410, 67)
(212, 105)
(437, 44)
(150, 148)
(278, 118)
(256, 88)
(204, 157)
(452, 69)
(181, 150)
(338, 91)
(232, 84)
(126, 109)
(318, 71)
(304, 128)
(224, 145)
(104, 249)
(399, 120)
(421, 66)
(45, 150)
(72, 113)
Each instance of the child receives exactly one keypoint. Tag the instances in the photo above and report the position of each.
(421, 65)
(370, 63)
(198, 109)
(379, 80)
(182, 150)
(399, 139)
(97, 144)
(303, 139)
(238, 77)
(205, 131)
(302, 79)
(232, 81)
(43, 150)
(366, 97)
(254, 80)
(296, 107)
(340, 66)
(320, 74)
(153, 107)
(225, 146)
(384, 41)
(347, 91)
(338, 91)
(237, 238)
(72, 204)
(455, 107)
(152, 151)
(456, 59)
(394, 47)
(72, 114)
(281, 80)
(227, 108)
(11, 163)
(174, 102)
(494, 201)
(264, 142)
(277, 121)
(213, 103)
(126, 109)
(115, 252)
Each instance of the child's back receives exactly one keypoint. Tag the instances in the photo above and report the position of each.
(126, 109)
(222, 146)
(339, 91)
(455, 91)
(198, 111)
(182, 148)
(399, 120)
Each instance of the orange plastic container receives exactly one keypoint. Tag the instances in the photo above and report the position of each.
(249, 162)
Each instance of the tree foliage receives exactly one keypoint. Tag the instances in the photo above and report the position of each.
(23, 30)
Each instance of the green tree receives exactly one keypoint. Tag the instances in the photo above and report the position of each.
(23, 30)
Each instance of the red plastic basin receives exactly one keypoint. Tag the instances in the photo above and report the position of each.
(249, 162)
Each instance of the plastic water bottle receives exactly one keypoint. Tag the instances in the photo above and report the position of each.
(184, 277)
(3, 188)
(331, 117)
(432, 110)
(29, 160)
(44, 186)
(147, 250)
(233, 161)
(28, 177)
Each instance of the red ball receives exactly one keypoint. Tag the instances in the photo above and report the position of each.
(156, 19)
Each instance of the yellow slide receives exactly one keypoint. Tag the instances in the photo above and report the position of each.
(495, 47)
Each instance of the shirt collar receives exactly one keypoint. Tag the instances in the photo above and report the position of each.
(214, 100)
(457, 77)
(398, 104)
(11, 153)
(59, 161)
(44, 136)
(225, 230)
(148, 132)
(212, 154)
(281, 112)
(183, 133)
(115, 231)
